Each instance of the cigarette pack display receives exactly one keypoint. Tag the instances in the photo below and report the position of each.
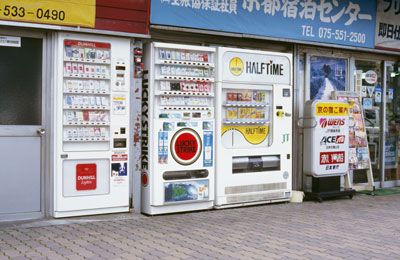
(246, 112)
(231, 113)
(231, 96)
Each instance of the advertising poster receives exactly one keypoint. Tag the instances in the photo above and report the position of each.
(326, 75)
(358, 143)
(119, 173)
(186, 191)
(119, 169)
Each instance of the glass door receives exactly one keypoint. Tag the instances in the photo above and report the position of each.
(392, 134)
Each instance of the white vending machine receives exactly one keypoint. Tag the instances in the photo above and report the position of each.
(178, 129)
(254, 127)
(91, 98)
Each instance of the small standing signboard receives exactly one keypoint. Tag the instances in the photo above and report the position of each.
(327, 153)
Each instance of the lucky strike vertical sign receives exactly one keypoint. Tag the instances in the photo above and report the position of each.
(331, 137)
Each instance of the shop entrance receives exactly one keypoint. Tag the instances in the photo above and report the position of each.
(21, 127)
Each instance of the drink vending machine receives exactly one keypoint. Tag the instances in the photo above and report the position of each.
(254, 127)
(91, 130)
(178, 129)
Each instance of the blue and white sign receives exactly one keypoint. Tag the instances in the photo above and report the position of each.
(208, 149)
(330, 21)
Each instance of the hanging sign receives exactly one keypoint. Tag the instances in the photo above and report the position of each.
(342, 22)
(371, 77)
(60, 12)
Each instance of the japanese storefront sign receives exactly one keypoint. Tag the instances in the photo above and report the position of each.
(330, 138)
(60, 12)
(388, 25)
(330, 21)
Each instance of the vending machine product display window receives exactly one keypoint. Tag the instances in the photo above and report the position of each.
(178, 134)
(91, 115)
(246, 107)
(254, 127)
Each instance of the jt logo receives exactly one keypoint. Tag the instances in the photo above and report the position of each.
(285, 138)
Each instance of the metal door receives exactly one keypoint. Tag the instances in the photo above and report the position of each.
(21, 127)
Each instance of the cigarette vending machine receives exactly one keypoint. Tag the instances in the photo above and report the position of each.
(91, 125)
(178, 129)
(254, 127)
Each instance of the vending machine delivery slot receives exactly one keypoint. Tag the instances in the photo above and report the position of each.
(254, 127)
(256, 163)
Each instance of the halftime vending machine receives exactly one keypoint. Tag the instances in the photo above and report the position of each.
(253, 127)
(178, 129)
(91, 98)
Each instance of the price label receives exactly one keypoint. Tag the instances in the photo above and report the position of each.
(60, 12)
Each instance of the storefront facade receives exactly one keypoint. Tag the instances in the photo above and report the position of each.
(358, 39)
(31, 35)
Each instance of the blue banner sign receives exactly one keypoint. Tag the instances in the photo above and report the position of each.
(342, 22)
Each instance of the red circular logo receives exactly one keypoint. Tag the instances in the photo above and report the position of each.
(186, 146)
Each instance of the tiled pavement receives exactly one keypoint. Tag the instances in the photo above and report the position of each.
(363, 228)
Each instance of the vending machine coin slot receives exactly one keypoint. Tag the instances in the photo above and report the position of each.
(119, 143)
(286, 92)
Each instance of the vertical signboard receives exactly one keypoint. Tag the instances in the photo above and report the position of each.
(329, 139)
(387, 34)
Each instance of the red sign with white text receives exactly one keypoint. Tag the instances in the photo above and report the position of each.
(331, 158)
(86, 176)
(119, 157)
(85, 44)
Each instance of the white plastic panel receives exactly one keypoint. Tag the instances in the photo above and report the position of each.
(76, 183)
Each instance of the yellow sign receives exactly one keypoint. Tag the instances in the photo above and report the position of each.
(60, 12)
(252, 134)
(236, 66)
(331, 109)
